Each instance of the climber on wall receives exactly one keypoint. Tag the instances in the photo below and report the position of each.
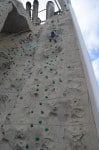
(53, 36)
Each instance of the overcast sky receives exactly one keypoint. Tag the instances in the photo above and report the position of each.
(87, 12)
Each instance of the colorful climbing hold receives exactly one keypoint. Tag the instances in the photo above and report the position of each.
(37, 89)
(53, 82)
(21, 97)
(37, 139)
(41, 72)
(31, 125)
(46, 97)
(40, 122)
(46, 90)
(36, 94)
(32, 111)
(51, 69)
(42, 112)
(46, 129)
(40, 103)
(27, 146)
(45, 66)
(46, 77)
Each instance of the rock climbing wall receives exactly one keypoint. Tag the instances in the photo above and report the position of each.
(44, 102)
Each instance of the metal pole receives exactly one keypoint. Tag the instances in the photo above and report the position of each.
(42, 10)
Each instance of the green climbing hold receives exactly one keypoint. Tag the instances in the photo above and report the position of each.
(45, 66)
(37, 84)
(42, 112)
(40, 122)
(40, 103)
(37, 89)
(37, 139)
(27, 146)
(46, 129)
(41, 72)
(36, 94)
(32, 111)
(53, 82)
(46, 97)
(46, 90)
(51, 69)
(31, 125)
(46, 77)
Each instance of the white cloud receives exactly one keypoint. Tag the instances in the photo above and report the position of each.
(87, 14)
(88, 18)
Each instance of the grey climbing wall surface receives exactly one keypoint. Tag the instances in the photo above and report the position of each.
(44, 102)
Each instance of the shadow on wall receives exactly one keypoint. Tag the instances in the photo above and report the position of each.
(15, 23)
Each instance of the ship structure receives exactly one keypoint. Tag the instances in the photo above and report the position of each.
(44, 98)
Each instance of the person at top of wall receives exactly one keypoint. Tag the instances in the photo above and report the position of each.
(53, 36)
